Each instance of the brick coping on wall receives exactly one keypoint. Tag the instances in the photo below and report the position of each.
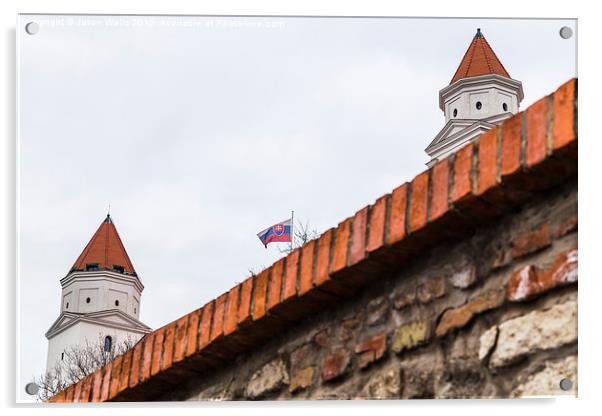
(507, 166)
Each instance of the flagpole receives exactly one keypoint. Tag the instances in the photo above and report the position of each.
(292, 232)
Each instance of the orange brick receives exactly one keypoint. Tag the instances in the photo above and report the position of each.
(69, 394)
(58, 398)
(511, 146)
(376, 237)
(244, 309)
(157, 351)
(339, 258)
(168, 345)
(275, 286)
(419, 201)
(397, 220)
(97, 384)
(564, 115)
(260, 294)
(205, 325)
(487, 165)
(463, 173)
(106, 382)
(124, 373)
(193, 332)
(537, 132)
(147, 357)
(307, 267)
(323, 257)
(357, 250)
(87, 388)
(115, 376)
(290, 277)
(181, 337)
(232, 310)
(440, 189)
(77, 391)
(135, 366)
(217, 326)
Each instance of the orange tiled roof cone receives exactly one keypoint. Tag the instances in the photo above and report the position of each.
(479, 59)
(100, 299)
(480, 96)
(105, 251)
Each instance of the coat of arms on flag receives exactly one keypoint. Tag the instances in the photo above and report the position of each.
(280, 233)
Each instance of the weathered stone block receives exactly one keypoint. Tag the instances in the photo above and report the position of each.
(377, 311)
(383, 385)
(335, 365)
(433, 288)
(322, 338)
(531, 241)
(371, 350)
(538, 330)
(403, 299)
(527, 282)
(464, 277)
(460, 316)
(348, 327)
(301, 379)
(301, 355)
(410, 335)
(267, 379)
(487, 342)
(547, 381)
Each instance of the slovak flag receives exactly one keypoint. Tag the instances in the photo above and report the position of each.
(280, 233)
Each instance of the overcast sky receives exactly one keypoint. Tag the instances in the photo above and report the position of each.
(202, 131)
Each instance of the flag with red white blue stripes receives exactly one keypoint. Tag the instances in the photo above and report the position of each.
(281, 233)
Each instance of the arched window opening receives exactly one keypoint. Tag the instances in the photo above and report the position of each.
(108, 343)
(455, 112)
(479, 105)
(505, 107)
(117, 303)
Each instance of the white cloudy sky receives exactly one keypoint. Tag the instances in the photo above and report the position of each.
(202, 131)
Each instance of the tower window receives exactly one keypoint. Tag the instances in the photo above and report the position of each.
(116, 303)
(91, 267)
(87, 300)
(108, 343)
(118, 269)
(455, 112)
(67, 305)
(62, 356)
(134, 310)
(505, 107)
(479, 105)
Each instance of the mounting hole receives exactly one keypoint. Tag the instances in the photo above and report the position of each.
(32, 28)
(566, 32)
(566, 384)
(32, 389)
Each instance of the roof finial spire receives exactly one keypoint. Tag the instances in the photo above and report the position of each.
(109, 214)
(479, 34)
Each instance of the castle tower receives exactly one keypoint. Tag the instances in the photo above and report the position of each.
(480, 95)
(100, 297)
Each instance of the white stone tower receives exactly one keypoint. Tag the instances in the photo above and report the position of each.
(480, 95)
(100, 297)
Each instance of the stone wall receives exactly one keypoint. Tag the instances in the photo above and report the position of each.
(459, 283)
(494, 315)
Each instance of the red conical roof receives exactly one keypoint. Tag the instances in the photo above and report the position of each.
(105, 250)
(479, 59)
